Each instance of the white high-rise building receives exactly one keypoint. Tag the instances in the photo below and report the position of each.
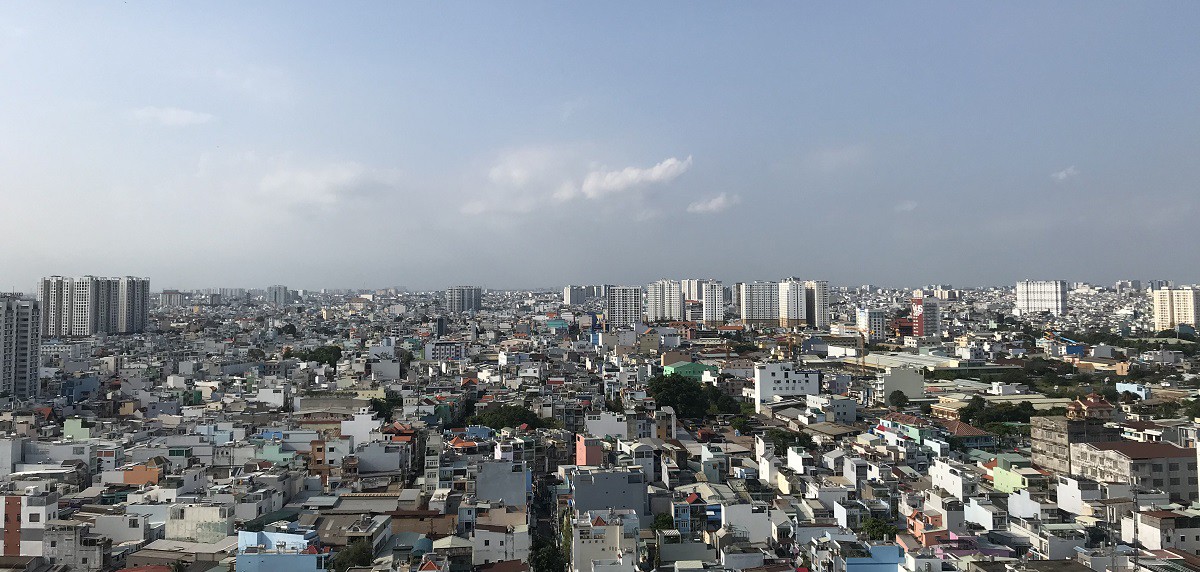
(817, 303)
(89, 305)
(624, 306)
(573, 295)
(692, 288)
(464, 299)
(1174, 306)
(20, 341)
(279, 295)
(759, 303)
(664, 301)
(1035, 296)
(793, 304)
(872, 323)
(712, 300)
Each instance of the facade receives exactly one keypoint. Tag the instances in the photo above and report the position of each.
(759, 303)
(624, 306)
(927, 318)
(573, 295)
(793, 303)
(782, 379)
(464, 299)
(20, 325)
(1035, 296)
(664, 301)
(1161, 466)
(1053, 436)
(279, 295)
(871, 323)
(816, 300)
(712, 300)
(88, 305)
(1175, 306)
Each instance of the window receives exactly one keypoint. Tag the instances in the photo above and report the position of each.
(487, 543)
(1173, 467)
(1175, 481)
(1158, 482)
(35, 517)
(133, 523)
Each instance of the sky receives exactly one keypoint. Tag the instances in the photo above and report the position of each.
(536, 144)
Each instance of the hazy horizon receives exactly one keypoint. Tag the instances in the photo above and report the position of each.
(526, 144)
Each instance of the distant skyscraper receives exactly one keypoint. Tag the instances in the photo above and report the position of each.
(759, 303)
(279, 295)
(927, 317)
(464, 299)
(712, 300)
(872, 323)
(573, 295)
(664, 301)
(793, 305)
(1175, 306)
(20, 340)
(170, 299)
(88, 305)
(817, 303)
(1035, 296)
(624, 306)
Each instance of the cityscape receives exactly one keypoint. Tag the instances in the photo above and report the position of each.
(625, 286)
(693, 424)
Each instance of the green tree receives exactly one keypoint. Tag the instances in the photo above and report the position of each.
(256, 354)
(510, 416)
(898, 399)
(685, 395)
(547, 557)
(290, 330)
(741, 424)
(784, 439)
(357, 554)
(876, 529)
(663, 521)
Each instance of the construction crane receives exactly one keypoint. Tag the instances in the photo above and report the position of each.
(1056, 336)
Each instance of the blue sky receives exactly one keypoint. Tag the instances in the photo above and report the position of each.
(373, 144)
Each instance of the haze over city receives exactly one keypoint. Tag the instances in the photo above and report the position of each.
(523, 145)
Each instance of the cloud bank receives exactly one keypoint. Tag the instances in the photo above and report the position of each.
(715, 204)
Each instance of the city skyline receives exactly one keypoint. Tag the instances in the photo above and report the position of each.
(224, 144)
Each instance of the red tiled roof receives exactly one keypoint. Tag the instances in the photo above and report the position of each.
(961, 429)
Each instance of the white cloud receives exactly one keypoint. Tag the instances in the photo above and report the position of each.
(906, 206)
(715, 204)
(600, 183)
(171, 116)
(1068, 173)
(325, 185)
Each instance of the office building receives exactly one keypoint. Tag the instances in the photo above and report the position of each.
(759, 303)
(624, 306)
(1175, 306)
(871, 323)
(664, 301)
(88, 305)
(712, 300)
(279, 295)
(927, 318)
(1034, 296)
(20, 341)
(793, 303)
(816, 300)
(464, 299)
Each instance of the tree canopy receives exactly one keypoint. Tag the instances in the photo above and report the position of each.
(330, 355)
(510, 416)
(357, 554)
(690, 398)
(898, 399)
